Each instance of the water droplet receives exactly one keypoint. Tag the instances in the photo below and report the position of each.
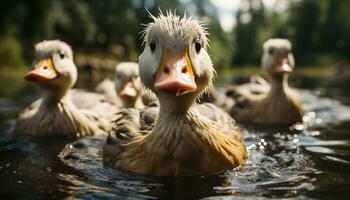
(305, 119)
(298, 127)
(311, 114)
(48, 169)
(315, 133)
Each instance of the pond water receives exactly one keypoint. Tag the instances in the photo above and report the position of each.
(308, 160)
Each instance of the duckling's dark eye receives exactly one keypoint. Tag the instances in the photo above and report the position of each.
(61, 55)
(152, 45)
(197, 46)
(271, 51)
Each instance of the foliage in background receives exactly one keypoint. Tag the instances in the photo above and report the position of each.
(110, 28)
(317, 28)
(10, 52)
(250, 19)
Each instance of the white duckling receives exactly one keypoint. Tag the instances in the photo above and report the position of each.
(126, 87)
(274, 103)
(55, 114)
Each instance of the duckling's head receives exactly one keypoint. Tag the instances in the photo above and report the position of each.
(127, 82)
(53, 68)
(277, 59)
(175, 64)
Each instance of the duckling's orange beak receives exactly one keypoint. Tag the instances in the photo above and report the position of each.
(175, 74)
(43, 70)
(282, 65)
(128, 90)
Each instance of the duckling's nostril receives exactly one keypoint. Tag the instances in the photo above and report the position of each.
(184, 70)
(45, 67)
(166, 70)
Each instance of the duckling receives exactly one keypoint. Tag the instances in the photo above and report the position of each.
(179, 139)
(274, 103)
(55, 113)
(126, 87)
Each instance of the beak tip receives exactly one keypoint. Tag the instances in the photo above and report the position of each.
(29, 77)
(179, 77)
(43, 71)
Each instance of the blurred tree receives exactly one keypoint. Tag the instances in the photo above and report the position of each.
(69, 20)
(319, 29)
(335, 29)
(117, 24)
(110, 28)
(304, 18)
(10, 52)
(250, 19)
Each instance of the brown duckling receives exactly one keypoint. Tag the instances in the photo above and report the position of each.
(274, 103)
(55, 113)
(182, 140)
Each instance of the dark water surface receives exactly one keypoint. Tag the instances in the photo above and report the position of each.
(308, 160)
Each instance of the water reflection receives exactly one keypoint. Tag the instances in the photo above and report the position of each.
(310, 159)
(281, 161)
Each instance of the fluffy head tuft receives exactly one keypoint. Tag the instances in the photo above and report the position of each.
(277, 43)
(180, 30)
(48, 47)
(127, 69)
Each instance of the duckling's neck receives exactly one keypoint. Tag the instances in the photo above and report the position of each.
(175, 106)
(279, 85)
(56, 95)
(61, 116)
(55, 101)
